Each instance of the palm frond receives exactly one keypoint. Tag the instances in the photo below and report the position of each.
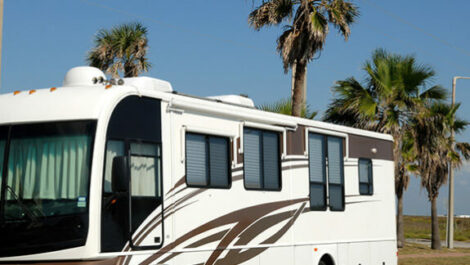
(122, 49)
(270, 13)
(284, 106)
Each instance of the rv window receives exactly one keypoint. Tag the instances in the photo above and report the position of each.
(326, 152)
(113, 149)
(365, 177)
(261, 159)
(317, 171)
(335, 173)
(2, 154)
(145, 168)
(207, 161)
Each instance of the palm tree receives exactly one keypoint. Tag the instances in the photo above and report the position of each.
(305, 34)
(284, 106)
(431, 129)
(395, 87)
(121, 49)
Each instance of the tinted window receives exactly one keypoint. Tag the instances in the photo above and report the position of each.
(261, 159)
(145, 170)
(48, 169)
(365, 177)
(326, 163)
(134, 131)
(335, 173)
(207, 161)
(317, 171)
(45, 176)
(3, 139)
(113, 148)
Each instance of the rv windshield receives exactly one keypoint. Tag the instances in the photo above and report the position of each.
(47, 170)
(45, 174)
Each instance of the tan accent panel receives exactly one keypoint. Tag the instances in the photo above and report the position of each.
(239, 156)
(296, 141)
(232, 158)
(361, 147)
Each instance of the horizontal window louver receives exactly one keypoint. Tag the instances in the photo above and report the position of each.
(317, 171)
(196, 160)
(219, 160)
(335, 173)
(261, 159)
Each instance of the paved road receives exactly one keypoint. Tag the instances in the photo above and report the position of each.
(457, 244)
(434, 255)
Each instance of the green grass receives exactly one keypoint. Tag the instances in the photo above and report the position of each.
(420, 227)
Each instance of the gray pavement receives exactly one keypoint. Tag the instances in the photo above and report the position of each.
(427, 242)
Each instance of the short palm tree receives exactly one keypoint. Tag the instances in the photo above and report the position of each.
(394, 89)
(305, 34)
(121, 49)
(284, 106)
(431, 130)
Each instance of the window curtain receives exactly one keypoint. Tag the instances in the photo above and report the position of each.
(145, 169)
(49, 167)
(113, 149)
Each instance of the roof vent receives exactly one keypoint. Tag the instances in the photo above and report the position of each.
(145, 82)
(235, 99)
(83, 76)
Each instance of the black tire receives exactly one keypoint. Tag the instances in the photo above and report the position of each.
(322, 262)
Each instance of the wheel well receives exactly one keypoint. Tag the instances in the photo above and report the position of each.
(327, 260)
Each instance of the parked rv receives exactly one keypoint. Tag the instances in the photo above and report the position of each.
(132, 172)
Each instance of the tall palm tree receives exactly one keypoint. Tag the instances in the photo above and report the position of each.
(394, 89)
(121, 49)
(284, 106)
(305, 34)
(431, 129)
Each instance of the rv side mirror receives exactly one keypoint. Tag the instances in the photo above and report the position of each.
(120, 174)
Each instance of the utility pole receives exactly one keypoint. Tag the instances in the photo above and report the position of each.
(450, 208)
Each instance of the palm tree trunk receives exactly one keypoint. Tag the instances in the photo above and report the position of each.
(298, 93)
(435, 237)
(399, 189)
(400, 226)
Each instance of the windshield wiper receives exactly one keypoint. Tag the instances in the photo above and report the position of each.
(25, 208)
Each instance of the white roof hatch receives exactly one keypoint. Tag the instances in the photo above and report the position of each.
(235, 99)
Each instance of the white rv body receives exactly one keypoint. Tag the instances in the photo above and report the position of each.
(232, 225)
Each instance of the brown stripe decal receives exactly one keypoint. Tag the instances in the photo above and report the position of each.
(236, 256)
(241, 218)
(180, 182)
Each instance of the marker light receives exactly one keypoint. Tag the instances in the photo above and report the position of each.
(53, 89)
(108, 86)
(32, 91)
(16, 92)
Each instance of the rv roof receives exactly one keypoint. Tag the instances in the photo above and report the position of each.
(88, 102)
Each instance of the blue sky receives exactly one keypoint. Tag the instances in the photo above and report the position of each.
(206, 48)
